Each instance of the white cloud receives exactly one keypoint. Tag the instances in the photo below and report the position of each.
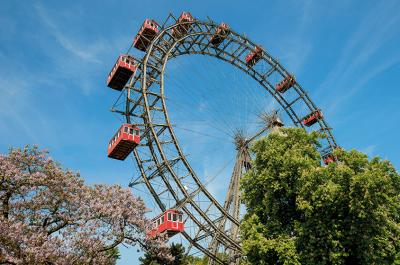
(362, 49)
(15, 107)
(296, 44)
(82, 55)
(353, 87)
(84, 51)
(369, 150)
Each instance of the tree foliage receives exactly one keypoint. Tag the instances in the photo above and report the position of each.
(300, 212)
(49, 216)
(179, 257)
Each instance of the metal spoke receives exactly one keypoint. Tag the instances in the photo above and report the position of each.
(159, 156)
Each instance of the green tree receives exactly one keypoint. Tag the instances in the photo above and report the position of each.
(300, 212)
(177, 251)
(114, 255)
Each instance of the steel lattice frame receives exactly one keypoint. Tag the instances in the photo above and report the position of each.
(163, 166)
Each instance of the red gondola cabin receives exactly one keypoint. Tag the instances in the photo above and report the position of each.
(124, 141)
(285, 84)
(170, 222)
(312, 118)
(121, 72)
(180, 30)
(254, 56)
(329, 158)
(146, 34)
(220, 34)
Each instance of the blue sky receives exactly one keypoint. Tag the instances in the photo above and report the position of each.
(55, 56)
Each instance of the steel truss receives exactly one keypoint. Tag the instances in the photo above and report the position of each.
(163, 166)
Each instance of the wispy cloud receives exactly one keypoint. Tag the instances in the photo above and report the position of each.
(363, 48)
(83, 55)
(57, 63)
(297, 46)
(369, 150)
(14, 107)
(84, 51)
(361, 81)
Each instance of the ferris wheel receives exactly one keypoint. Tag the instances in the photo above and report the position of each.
(186, 206)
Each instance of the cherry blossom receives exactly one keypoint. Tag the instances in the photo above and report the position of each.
(49, 216)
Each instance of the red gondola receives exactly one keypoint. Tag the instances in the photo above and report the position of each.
(124, 141)
(312, 118)
(170, 222)
(254, 56)
(285, 84)
(179, 30)
(146, 34)
(220, 34)
(121, 72)
(329, 158)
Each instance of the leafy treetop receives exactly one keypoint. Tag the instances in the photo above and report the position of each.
(300, 212)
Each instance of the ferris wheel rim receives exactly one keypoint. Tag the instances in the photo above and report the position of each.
(266, 57)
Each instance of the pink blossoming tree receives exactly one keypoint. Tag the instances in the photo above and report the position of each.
(49, 216)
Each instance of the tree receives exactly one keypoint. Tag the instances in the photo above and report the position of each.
(113, 255)
(300, 212)
(49, 216)
(177, 251)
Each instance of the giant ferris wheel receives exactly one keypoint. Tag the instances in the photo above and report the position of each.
(211, 226)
